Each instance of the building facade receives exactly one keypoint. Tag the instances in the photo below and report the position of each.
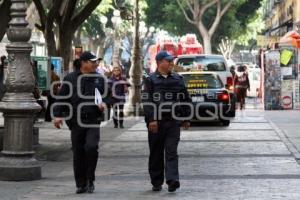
(281, 60)
(281, 16)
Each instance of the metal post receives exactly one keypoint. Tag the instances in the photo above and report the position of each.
(18, 105)
(135, 73)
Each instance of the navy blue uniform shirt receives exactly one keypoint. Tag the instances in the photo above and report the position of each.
(159, 90)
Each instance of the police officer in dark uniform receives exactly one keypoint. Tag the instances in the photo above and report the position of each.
(85, 121)
(163, 89)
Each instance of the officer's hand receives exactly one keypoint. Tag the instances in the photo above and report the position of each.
(153, 127)
(102, 106)
(58, 122)
(186, 125)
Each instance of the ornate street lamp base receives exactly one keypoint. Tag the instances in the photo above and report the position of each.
(17, 162)
(19, 169)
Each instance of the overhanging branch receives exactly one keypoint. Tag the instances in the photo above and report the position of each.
(205, 7)
(84, 13)
(42, 14)
(185, 14)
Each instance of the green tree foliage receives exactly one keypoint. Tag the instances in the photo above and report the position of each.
(93, 26)
(167, 15)
(67, 16)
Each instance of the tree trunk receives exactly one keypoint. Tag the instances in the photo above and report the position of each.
(116, 51)
(65, 46)
(77, 38)
(4, 17)
(94, 46)
(101, 51)
(207, 44)
(101, 47)
(50, 42)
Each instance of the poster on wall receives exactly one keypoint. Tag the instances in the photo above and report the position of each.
(286, 72)
(40, 64)
(287, 86)
(288, 59)
(296, 95)
(58, 66)
(272, 83)
(285, 56)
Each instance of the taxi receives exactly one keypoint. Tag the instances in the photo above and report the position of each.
(210, 98)
(208, 63)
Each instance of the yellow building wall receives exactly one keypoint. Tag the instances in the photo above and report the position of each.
(296, 11)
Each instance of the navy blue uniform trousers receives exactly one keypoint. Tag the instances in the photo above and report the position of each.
(163, 152)
(85, 153)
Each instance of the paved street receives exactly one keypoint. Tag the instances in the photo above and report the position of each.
(247, 160)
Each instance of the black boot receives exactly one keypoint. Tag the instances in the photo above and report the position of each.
(156, 188)
(81, 190)
(90, 187)
(173, 185)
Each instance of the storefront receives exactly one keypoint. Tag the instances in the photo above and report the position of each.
(281, 74)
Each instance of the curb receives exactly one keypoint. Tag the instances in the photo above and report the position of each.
(283, 136)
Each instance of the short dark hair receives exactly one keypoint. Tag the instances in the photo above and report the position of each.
(76, 64)
(52, 67)
(242, 68)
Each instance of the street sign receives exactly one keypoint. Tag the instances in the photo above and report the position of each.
(287, 101)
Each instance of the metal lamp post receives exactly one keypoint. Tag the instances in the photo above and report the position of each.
(18, 105)
(135, 74)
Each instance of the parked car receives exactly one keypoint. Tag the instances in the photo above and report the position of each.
(211, 100)
(209, 63)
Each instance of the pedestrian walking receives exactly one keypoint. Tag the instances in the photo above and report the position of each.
(102, 69)
(85, 137)
(76, 65)
(232, 71)
(163, 89)
(241, 84)
(118, 86)
(50, 98)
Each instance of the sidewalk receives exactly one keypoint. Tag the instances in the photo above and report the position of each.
(55, 143)
(246, 160)
(55, 156)
(288, 121)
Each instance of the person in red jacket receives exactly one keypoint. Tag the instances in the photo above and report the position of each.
(241, 84)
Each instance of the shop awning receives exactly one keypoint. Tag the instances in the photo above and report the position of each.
(291, 38)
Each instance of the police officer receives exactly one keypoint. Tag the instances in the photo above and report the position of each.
(162, 90)
(85, 121)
